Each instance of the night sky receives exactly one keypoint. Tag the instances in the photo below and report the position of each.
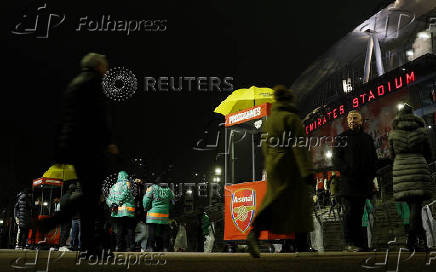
(260, 43)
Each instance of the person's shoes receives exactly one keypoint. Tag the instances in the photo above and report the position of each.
(306, 249)
(63, 248)
(18, 248)
(165, 250)
(352, 248)
(253, 247)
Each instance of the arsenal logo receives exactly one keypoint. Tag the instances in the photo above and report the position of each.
(243, 208)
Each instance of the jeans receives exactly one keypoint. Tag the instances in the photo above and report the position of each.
(76, 234)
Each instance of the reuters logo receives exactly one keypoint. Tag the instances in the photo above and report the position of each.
(119, 84)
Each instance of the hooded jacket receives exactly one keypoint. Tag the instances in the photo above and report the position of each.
(23, 208)
(410, 147)
(121, 195)
(157, 202)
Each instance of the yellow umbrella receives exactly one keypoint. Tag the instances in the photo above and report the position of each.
(61, 171)
(245, 98)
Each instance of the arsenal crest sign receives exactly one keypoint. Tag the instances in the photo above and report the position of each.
(243, 208)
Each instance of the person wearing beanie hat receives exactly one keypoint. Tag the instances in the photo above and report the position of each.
(410, 148)
(287, 205)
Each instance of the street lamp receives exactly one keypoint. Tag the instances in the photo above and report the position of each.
(218, 171)
(329, 155)
(400, 106)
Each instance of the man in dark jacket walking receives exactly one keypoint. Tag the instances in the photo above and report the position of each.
(83, 138)
(356, 162)
(22, 214)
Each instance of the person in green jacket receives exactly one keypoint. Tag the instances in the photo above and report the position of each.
(287, 205)
(122, 204)
(157, 203)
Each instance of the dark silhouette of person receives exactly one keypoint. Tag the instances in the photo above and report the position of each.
(83, 139)
(287, 205)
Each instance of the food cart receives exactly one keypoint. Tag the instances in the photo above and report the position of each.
(45, 191)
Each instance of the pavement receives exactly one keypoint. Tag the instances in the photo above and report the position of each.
(46, 261)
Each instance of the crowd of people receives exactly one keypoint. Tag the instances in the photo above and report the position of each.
(290, 177)
(119, 226)
(84, 139)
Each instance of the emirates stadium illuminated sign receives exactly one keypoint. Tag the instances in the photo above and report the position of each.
(370, 95)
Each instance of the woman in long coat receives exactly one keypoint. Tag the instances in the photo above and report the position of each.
(410, 146)
(287, 206)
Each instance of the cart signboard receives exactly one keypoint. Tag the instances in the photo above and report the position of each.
(242, 200)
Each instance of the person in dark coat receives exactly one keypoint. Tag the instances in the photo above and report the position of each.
(356, 162)
(83, 138)
(287, 205)
(410, 147)
(23, 214)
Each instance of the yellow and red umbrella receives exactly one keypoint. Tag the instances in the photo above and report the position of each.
(245, 98)
(61, 171)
